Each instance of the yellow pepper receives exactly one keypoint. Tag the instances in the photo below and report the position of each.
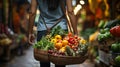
(82, 41)
(58, 37)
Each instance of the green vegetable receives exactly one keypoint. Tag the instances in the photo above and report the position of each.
(104, 34)
(57, 31)
(69, 51)
(115, 47)
(117, 60)
(112, 23)
(101, 24)
(104, 30)
(100, 37)
(44, 44)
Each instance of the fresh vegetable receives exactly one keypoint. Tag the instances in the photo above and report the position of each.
(69, 51)
(44, 44)
(58, 45)
(57, 31)
(71, 40)
(112, 23)
(104, 30)
(117, 60)
(104, 34)
(101, 24)
(115, 47)
(62, 44)
(115, 31)
(58, 37)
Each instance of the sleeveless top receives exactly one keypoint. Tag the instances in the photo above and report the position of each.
(50, 17)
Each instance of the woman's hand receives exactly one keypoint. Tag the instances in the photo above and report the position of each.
(31, 39)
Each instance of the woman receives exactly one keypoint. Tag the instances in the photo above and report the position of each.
(50, 12)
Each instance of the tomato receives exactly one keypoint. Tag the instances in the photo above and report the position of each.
(118, 31)
(115, 31)
(71, 40)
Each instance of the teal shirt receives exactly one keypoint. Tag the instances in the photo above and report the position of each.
(50, 17)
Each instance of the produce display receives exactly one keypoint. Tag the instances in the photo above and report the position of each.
(109, 36)
(109, 30)
(4, 40)
(61, 43)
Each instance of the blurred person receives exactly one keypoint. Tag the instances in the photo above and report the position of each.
(50, 11)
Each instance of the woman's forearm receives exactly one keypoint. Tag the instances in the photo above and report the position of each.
(32, 15)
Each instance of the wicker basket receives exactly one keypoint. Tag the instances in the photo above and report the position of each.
(41, 55)
(67, 60)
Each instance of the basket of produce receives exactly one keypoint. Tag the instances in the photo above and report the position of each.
(68, 48)
(63, 48)
(71, 50)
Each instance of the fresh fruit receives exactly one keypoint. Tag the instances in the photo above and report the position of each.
(71, 40)
(64, 43)
(115, 31)
(58, 45)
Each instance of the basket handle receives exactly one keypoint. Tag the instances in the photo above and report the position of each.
(62, 4)
(49, 29)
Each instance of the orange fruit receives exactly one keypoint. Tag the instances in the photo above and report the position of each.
(58, 45)
(64, 43)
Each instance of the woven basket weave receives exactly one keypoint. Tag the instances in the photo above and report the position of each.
(41, 55)
(67, 60)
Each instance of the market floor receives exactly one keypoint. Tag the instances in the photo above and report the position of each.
(28, 60)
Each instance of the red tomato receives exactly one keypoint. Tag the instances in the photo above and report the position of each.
(71, 40)
(115, 31)
(118, 31)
